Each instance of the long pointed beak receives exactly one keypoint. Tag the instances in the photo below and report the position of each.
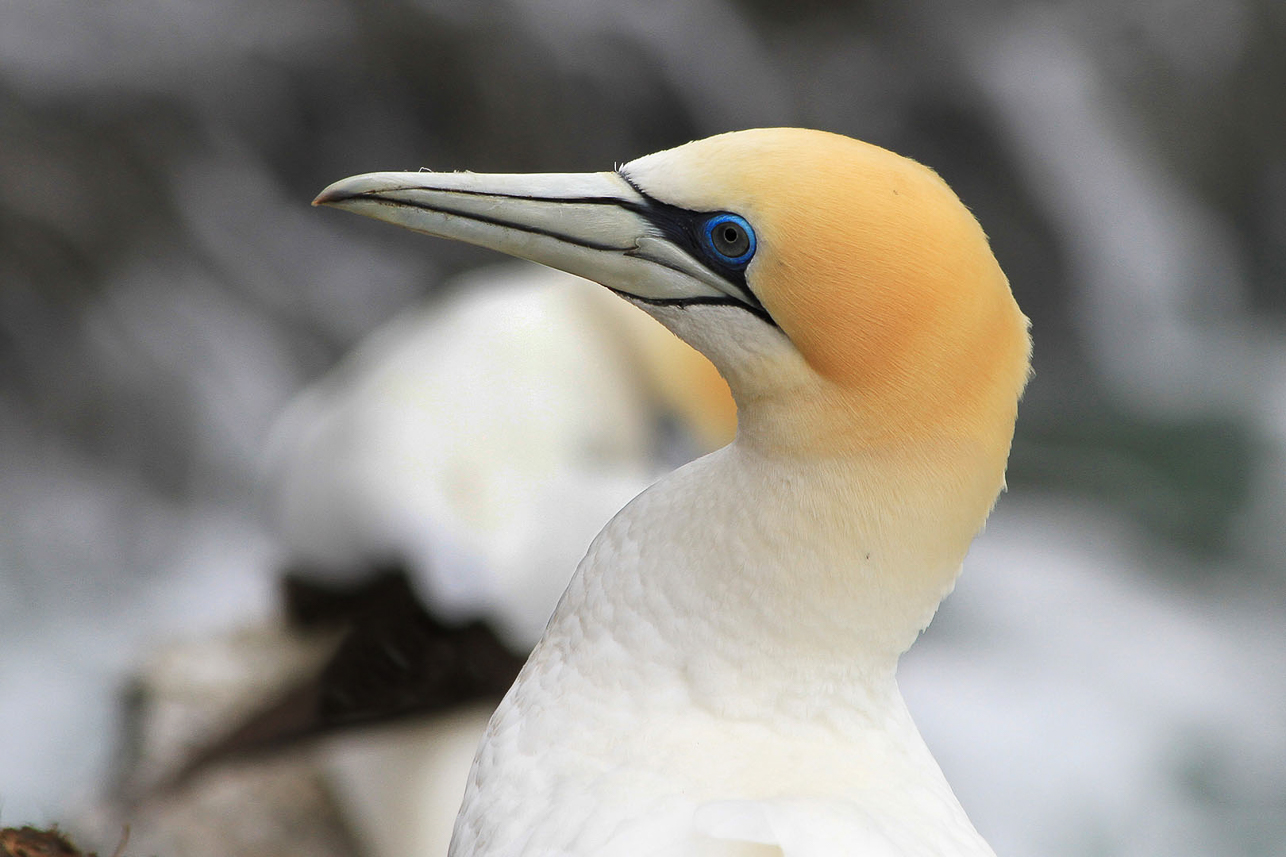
(595, 225)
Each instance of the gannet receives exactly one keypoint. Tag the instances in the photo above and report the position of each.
(719, 676)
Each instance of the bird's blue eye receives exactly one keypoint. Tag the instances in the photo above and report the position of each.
(730, 238)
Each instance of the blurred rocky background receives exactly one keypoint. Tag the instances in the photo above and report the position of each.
(1110, 677)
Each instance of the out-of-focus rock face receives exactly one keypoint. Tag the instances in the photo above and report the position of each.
(164, 288)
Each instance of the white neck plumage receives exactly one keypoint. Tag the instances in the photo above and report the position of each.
(778, 588)
(776, 571)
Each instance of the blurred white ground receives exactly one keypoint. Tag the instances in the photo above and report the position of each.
(1079, 704)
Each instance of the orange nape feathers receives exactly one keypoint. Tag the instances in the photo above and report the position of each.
(874, 269)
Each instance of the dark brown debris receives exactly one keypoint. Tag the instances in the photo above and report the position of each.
(37, 842)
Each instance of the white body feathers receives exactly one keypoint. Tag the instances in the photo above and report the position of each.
(721, 714)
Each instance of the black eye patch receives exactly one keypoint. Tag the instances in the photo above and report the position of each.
(697, 233)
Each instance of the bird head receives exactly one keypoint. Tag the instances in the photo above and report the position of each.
(847, 295)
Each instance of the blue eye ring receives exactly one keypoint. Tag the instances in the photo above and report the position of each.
(730, 238)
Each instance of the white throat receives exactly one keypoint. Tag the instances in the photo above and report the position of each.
(770, 586)
(836, 558)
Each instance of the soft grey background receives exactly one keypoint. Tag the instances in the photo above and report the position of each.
(1109, 678)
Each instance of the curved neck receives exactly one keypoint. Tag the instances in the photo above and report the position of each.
(772, 583)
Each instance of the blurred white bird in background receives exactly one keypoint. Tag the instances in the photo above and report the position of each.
(478, 442)
(484, 439)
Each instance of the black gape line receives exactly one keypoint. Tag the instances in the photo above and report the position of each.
(707, 300)
(686, 229)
